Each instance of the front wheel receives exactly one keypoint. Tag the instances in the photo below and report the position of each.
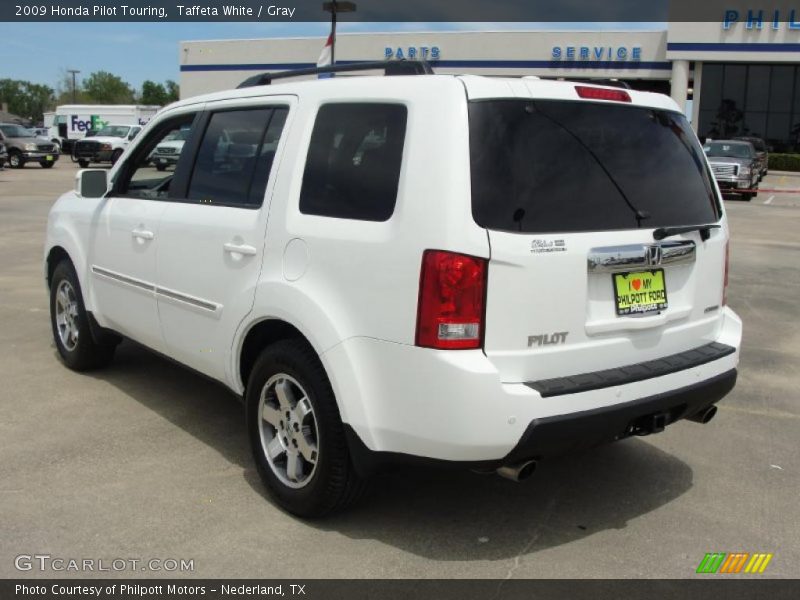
(70, 322)
(15, 160)
(115, 156)
(84, 164)
(296, 433)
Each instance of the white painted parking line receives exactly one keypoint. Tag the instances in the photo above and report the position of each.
(769, 200)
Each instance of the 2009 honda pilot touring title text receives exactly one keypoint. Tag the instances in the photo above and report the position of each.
(486, 272)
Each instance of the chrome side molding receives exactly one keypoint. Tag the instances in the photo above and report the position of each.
(640, 256)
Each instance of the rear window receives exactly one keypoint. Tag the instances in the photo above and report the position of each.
(354, 159)
(549, 166)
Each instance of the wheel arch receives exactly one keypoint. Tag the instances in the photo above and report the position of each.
(63, 244)
(55, 255)
(260, 334)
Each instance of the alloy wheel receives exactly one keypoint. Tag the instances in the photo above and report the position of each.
(67, 315)
(288, 430)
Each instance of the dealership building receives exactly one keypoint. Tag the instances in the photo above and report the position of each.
(738, 76)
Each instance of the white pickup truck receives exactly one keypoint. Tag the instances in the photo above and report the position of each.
(106, 146)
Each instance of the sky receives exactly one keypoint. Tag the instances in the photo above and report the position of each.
(42, 52)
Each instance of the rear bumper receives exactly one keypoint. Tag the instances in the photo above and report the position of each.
(400, 400)
(554, 436)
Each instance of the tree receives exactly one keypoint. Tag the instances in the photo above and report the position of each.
(153, 93)
(64, 91)
(173, 91)
(26, 99)
(103, 87)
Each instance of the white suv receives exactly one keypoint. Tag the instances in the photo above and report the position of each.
(477, 271)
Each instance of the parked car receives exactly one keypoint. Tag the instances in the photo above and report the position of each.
(168, 151)
(474, 272)
(107, 145)
(735, 165)
(22, 147)
(762, 153)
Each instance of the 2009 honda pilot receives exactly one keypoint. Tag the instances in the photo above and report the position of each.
(480, 271)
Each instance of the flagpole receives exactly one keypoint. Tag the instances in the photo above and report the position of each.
(333, 34)
(334, 7)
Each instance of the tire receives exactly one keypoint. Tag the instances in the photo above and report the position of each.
(161, 167)
(15, 160)
(84, 164)
(47, 165)
(70, 323)
(115, 156)
(325, 484)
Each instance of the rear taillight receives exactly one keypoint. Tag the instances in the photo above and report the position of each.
(598, 93)
(452, 295)
(725, 280)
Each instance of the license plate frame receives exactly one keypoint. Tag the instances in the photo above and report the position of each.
(650, 297)
(49, 158)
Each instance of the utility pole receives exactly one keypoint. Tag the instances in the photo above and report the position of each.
(73, 72)
(335, 7)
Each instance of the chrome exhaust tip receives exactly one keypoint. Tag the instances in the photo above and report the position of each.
(519, 471)
(705, 415)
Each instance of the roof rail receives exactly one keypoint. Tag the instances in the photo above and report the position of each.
(389, 67)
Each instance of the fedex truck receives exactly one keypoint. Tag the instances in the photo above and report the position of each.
(72, 122)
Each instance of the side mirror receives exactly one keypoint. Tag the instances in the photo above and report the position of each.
(91, 183)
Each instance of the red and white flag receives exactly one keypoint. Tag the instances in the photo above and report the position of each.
(325, 57)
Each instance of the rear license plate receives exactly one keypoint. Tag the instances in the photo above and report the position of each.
(640, 292)
(49, 158)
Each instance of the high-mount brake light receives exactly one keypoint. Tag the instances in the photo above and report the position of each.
(452, 296)
(598, 93)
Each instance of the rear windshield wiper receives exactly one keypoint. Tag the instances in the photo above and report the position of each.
(665, 232)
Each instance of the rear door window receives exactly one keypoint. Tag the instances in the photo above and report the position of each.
(354, 159)
(235, 157)
(549, 166)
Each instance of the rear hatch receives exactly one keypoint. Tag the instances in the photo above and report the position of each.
(571, 192)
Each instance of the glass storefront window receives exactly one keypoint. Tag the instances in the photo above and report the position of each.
(733, 85)
(758, 100)
(757, 88)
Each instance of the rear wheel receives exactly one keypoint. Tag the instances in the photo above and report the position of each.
(115, 156)
(161, 167)
(296, 433)
(70, 322)
(47, 165)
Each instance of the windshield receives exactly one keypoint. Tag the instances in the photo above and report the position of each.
(181, 136)
(542, 166)
(114, 131)
(727, 149)
(15, 131)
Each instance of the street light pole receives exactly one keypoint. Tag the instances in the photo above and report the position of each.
(335, 7)
(73, 72)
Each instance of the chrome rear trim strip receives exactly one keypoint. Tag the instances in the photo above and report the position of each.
(640, 256)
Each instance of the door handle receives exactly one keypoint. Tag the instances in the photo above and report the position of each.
(143, 234)
(239, 249)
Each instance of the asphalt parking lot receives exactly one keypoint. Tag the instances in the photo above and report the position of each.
(147, 460)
